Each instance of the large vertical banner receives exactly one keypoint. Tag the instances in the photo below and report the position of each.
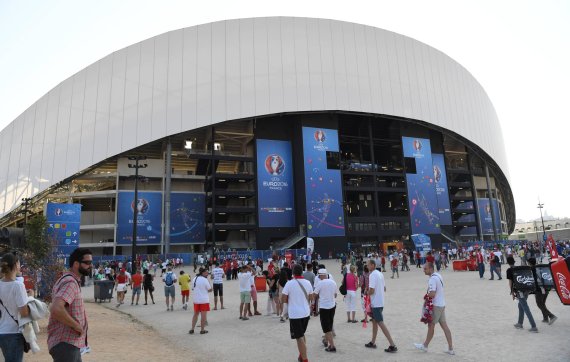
(323, 187)
(64, 221)
(441, 190)
(187, 221)
(275, 192)
(149, 217)
(422, 198)
(486, 216)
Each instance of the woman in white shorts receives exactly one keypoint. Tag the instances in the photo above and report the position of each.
(121, 283)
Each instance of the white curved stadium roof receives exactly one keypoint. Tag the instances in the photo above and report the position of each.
(202, 75)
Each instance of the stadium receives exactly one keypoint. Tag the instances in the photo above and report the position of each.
(256, 133)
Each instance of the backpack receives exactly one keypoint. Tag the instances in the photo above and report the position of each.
(168, 280)
(497, 260)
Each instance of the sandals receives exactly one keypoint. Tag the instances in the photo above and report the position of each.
(203, 332)
(391, 349)
(370, 345)
(191, 331)
(330, 349)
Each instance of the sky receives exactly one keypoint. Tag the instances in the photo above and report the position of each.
(518, 50)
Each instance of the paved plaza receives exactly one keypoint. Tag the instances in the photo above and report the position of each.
(480, 314)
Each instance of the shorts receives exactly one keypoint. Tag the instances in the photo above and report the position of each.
(298, 327)
(185, 293)
(377, 314)
(438, 315)
(122, 287)
(218, 290)
(327, 319)
(169, 291)
(203, 307)
(245, 297)
(137, 291)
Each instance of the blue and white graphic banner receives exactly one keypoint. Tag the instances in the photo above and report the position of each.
(64, 221)
(441, 190)
(149, 217)
(275, 184)
(187, 223)
(422, 198)
(323, 187)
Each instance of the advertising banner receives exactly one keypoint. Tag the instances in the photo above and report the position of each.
(485, 216)
(441, 190)
(323, 187)
(187, 222)
(149, 217)
(64, 221)
(422, 243)
(275, 184)
(422, 198)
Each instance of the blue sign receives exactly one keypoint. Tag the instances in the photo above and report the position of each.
(149, 217)
(275, 184)
(187, 212)
(323, 187)
(422, 198)
(441, 190)
(64, 221)
(486, 218)
(422, 242)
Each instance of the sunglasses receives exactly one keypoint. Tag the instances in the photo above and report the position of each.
(88, 262)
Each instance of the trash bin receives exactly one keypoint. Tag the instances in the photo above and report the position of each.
(260, 284)
(103, 290)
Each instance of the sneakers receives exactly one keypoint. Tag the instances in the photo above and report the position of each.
(533, 330)
(450, 352)
(391, 349)
(552, 320)
(421, 347)
(518, 326)
(171, 307)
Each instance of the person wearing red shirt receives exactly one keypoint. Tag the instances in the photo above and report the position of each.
(418, 259)
(121, 286)
(480, 263)
(136, 284)
(430, 258)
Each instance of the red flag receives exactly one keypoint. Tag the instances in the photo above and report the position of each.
(551, 244)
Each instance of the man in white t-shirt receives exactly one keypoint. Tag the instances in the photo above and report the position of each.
(376, 290)
(244, 277)
(326, 290)
(435, 291)
(200, 289)
(218, 279)
(296, 298)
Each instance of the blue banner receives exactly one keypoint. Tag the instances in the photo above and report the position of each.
(275, 190)
(64, 221)
(323, 187)
(441, 190)
(422, 198)
(187, 223)
(149, 217)
(486, 218)
(422, 242)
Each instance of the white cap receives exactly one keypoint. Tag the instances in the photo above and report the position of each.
(323, 272)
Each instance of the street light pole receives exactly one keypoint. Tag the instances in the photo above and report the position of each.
(540, 206)
(136, 166)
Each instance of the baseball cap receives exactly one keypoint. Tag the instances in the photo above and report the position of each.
(323, 272)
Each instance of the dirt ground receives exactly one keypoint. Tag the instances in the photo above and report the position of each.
(116, 336)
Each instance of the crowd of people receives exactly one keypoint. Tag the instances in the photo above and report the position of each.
(297, 289)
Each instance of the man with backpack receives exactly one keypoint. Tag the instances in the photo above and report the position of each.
(169, 290)
(495, 265)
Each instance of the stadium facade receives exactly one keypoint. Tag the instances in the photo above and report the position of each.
(260, 131)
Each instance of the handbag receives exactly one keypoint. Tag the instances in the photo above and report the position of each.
(26, 344)
(342, 288)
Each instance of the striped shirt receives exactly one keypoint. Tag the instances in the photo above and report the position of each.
(67, 288)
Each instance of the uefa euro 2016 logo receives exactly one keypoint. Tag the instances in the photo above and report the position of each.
(320, 136)
(142, 206)
(274, 165)
(58, 212)
(417, 145)
(437, 173)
